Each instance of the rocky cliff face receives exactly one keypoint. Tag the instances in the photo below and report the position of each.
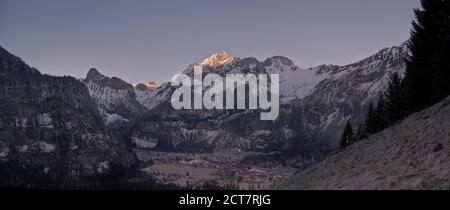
(116, 99)
(51, 125)
(346, 94)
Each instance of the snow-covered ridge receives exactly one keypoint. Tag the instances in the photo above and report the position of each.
(295, 83)
(105, 96)
(346, 94)
(115, 98)
(152, 97)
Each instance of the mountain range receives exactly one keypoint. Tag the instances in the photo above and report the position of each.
(316, 103)
(67, 127)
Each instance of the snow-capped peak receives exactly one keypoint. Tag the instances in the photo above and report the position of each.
(218, 59)
(151, 85)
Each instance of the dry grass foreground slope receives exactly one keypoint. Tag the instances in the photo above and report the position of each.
(413, 154)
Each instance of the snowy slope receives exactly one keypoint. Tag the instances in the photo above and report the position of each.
(346, 94)
(152, 97)
(295, 83)
(116, 99)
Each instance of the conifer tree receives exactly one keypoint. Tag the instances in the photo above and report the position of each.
(427, 75)
(395, 100)
(347, 137)
(369, 124)
(360, 133)
(380, 114)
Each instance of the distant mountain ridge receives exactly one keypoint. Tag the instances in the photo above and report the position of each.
(314, 109)
(346, 94)
(315, 105)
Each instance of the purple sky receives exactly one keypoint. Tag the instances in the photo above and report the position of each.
(141, 40)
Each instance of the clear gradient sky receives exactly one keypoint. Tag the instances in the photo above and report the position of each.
(142, 40)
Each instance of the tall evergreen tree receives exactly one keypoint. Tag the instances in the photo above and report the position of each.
(395, 100)
(427, 76)
(370, 123)
(380, 114)
(347, 136)
(360, 132)
(376, 119)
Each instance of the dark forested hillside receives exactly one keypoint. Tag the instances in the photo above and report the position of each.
(50, 127)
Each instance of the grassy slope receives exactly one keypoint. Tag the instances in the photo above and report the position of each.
(413, 154)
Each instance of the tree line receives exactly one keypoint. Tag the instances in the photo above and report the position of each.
(427, 78)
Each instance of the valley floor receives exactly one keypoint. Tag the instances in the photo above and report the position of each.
(224, 168)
